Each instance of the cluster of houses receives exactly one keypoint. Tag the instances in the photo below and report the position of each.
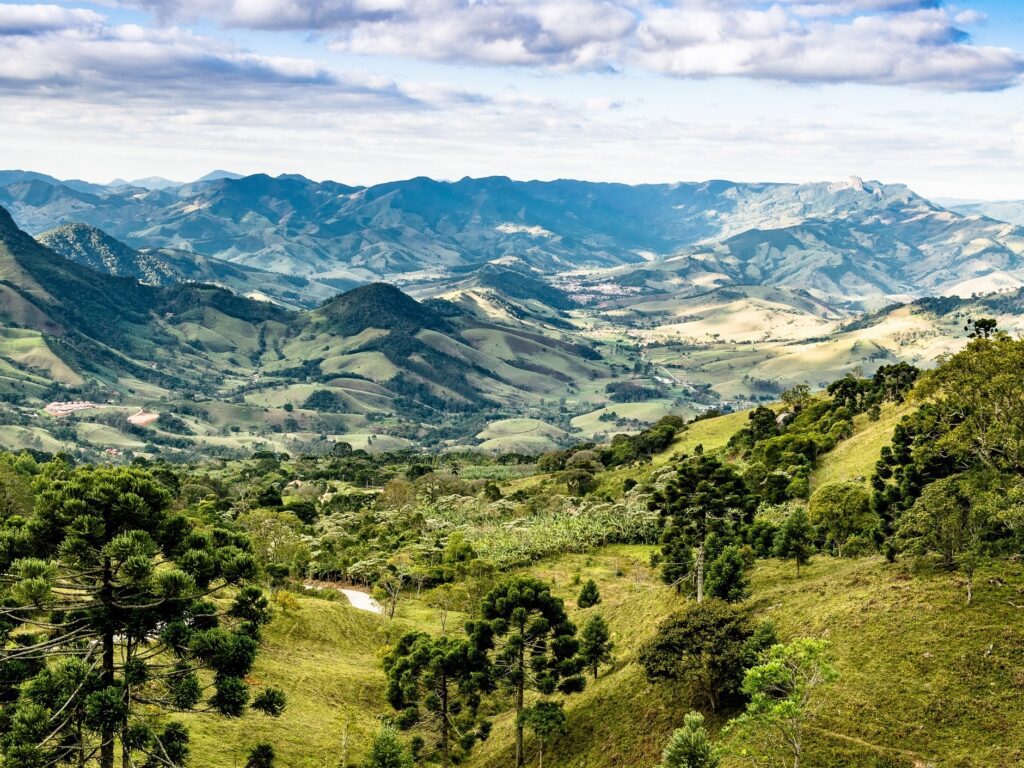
(72, 406)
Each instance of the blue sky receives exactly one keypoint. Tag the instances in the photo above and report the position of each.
(917, 91)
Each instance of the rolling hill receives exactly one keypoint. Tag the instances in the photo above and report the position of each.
(226, 361)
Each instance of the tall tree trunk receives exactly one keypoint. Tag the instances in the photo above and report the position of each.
(700, 573)
(107, 599)
(520, 756)
(126, 752)
(445, 760)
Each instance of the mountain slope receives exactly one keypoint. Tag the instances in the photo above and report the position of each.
(373, 351)
(97, 250)
(1011, 211)
(94, 248)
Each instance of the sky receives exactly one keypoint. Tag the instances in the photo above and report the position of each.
(921, 92)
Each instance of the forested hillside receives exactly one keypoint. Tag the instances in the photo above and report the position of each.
(830, 579)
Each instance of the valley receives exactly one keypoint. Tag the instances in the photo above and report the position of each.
(585, 309)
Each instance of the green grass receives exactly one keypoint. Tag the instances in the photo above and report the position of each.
(855, 457)
(923, 678)
(712, 434)
(325, 656)
(590, 424)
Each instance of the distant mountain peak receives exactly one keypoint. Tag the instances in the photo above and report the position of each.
(147, 182)
(218, 175)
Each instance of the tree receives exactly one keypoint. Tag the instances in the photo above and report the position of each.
(105, 579)
(797, 397)
(782, 692)
(276, 539)
(390, 584)
(978, 399)
(842, 510)
(727, 576)
(589, 595)
(445, 598)
(387, 750)
(533, 643)
(705, 497)
(437, 683)
(707, 647)
(794, 541)
(261, 756)
(578, 481)
(596, 644)
(981, 327)
(956, 519)
(546, 719)
(691, 746)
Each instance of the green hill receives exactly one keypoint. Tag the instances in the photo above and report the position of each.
(942, 660)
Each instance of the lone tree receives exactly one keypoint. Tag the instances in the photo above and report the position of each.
(596, 644)
(960, 519)
(589, 595)
(105, 607)
(782, 698)
(533, 643)
(546, 719)
(261, 756)
(706, 497)
(794, 541)
(843, 510)
(388, 751)
(691, 746)
(707, 647)
(727, 576)
(437, 682)
(981, 327)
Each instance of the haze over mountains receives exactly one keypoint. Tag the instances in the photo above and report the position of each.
(853, 240)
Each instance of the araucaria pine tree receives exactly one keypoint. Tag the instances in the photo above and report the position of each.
(795, 540)
(691, 746)
(436, 683)
(387, 750)
(596, 644)
(589, 595)
(105, 608)
(705, 497)
(533, 643)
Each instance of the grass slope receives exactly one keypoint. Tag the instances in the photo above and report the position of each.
(924, 679)
(855, 457)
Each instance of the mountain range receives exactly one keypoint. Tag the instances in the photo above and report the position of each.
(282, 309)
(853, 241)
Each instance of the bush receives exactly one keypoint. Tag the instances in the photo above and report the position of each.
(589, 595)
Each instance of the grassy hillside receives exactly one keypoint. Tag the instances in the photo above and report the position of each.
(855, 457)
(952, 667)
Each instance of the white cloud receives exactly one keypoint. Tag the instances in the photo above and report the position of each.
(919, 47)
(885, 42)
(35, 19)
(48, 51)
